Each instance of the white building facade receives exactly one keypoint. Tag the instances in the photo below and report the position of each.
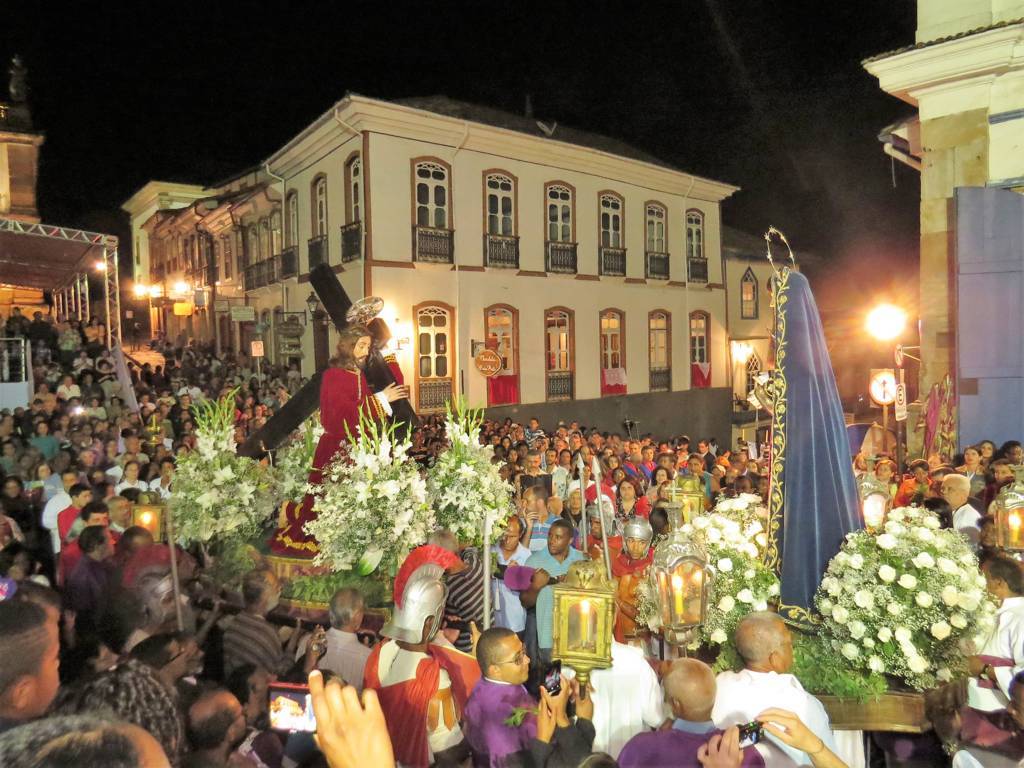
(594, 272)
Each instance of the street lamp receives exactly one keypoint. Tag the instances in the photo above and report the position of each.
(141, 290)
(886, 322)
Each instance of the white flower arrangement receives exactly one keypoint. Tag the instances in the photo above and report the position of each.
(906, 601)
(372, 507)
(218, 495)
(731, 533)
(463, 484)
(295, 460)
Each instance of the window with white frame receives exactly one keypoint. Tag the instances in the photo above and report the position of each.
(753, 368)
(275, 233)
(656, 228)
(558, 340)
(433, 332)
(611, 221)
(320, 206)
(292, 231)
(694, 235)
(500, 205)
(431, 195)
(657, 340)
(560, 212)
(355, 183)
(501, 329)
(699, 337)
(611, 339)
(748, 295)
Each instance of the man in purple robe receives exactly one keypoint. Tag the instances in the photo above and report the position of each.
(690, 691)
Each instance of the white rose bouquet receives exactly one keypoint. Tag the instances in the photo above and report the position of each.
(218, 495)
(464, 485)
(372, 507)
(295, 460)
(906, 601)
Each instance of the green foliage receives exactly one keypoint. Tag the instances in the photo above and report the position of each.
(319, 589)
(231, 561)
(822, 669)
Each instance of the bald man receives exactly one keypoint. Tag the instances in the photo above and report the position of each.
(690, 692)
(956, 490)
(766, 647)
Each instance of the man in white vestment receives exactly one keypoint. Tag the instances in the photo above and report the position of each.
(1002, 655)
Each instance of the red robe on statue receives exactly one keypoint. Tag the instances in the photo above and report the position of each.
(343, 394)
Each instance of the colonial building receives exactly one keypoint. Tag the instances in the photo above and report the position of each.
(594, 270)
(964, 76)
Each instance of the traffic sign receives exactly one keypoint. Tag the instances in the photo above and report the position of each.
(898, 356)
(901, 402)
(882, 386)
(256, 348)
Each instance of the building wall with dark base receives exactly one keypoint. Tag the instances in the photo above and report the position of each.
(694, 412)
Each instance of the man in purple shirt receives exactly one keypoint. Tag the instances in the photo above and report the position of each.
(690, 691)
(88, 582)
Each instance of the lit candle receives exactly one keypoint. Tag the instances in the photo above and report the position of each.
(1015, 522)
(677, 593)
(585, 624)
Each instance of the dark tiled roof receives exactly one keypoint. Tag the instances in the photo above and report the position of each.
(929, 43)
(443, 105)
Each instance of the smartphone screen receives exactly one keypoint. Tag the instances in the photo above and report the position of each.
(553, 678)
(291, 708)
(750, 734)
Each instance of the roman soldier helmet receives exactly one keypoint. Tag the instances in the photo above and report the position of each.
(420, 593)
(638, 528)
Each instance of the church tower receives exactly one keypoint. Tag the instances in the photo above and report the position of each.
(19, 149)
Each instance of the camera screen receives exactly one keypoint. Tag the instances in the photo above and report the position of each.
(291, 710)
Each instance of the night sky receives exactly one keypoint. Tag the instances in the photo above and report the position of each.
(767, 95)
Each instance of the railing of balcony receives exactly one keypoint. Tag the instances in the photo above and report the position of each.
(501, 251)
(289, 262)
(432, 245)
(612, 261)
(433, 394)
(560, 257)
(317, 250)
(656, 265)
(661, 379)
(698, 270)
(352, 241)
(559, 385)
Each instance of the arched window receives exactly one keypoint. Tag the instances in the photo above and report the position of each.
(696, 260)
(226, 257)
(264, 242)
(659, 350)
(611, 220)
(560, 213)
(252, 242)
(353, 189)
(431, 194)
(501, 327)
(613, 352)
(656, 217)
(501, 202)
(700, 349)
(319, 190)
(748, 295)
(292, 230)
(275, 233)
(559, 353)
(434, 355)
(753, 368)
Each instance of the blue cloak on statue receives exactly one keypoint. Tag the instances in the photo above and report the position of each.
(813, 502)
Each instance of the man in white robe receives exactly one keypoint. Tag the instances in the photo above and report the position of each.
(1002, 655)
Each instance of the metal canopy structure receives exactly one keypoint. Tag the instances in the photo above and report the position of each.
(58, 259)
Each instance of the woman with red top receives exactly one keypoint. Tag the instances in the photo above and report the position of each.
(630, 502)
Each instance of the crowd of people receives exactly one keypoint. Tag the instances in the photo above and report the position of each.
(100, 665)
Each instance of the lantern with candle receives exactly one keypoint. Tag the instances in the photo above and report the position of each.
(874, 498)
(686, 500)
(682, 581)
(151, 517)
(1009, 512)
(584, 607)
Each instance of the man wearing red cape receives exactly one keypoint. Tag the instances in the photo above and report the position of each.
(423, 686)
(344, 394)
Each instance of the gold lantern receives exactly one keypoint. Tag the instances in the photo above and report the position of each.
(682, 581)
(584, 615)
(151, 517)
(1009, 512)
(686, 500)
(874, 498)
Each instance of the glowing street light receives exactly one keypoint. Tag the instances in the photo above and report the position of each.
(181, 287)
(741, 352)
(141, 290)
(886, 322)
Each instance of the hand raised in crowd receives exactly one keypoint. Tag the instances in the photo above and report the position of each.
(551, 711)
(349, 733)
(722, 750)
(797, 735)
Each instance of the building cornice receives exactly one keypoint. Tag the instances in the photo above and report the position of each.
(161, 194)
(986, 54)
(21, 137)
(382, 117)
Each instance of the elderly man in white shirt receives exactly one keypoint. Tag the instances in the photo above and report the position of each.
(345, 655)
(766, 646)
(956, 489)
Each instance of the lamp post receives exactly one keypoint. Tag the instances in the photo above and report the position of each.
(886, 322)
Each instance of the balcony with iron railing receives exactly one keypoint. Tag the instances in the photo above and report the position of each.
(697, 270)
(433, 246)
(288, 262)
(559, 385)
(660, 379)
(433, 394)
(317, 250)
(501, 251)
(612, 261)
(560, 257)
(351, 241)
(656, 265)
